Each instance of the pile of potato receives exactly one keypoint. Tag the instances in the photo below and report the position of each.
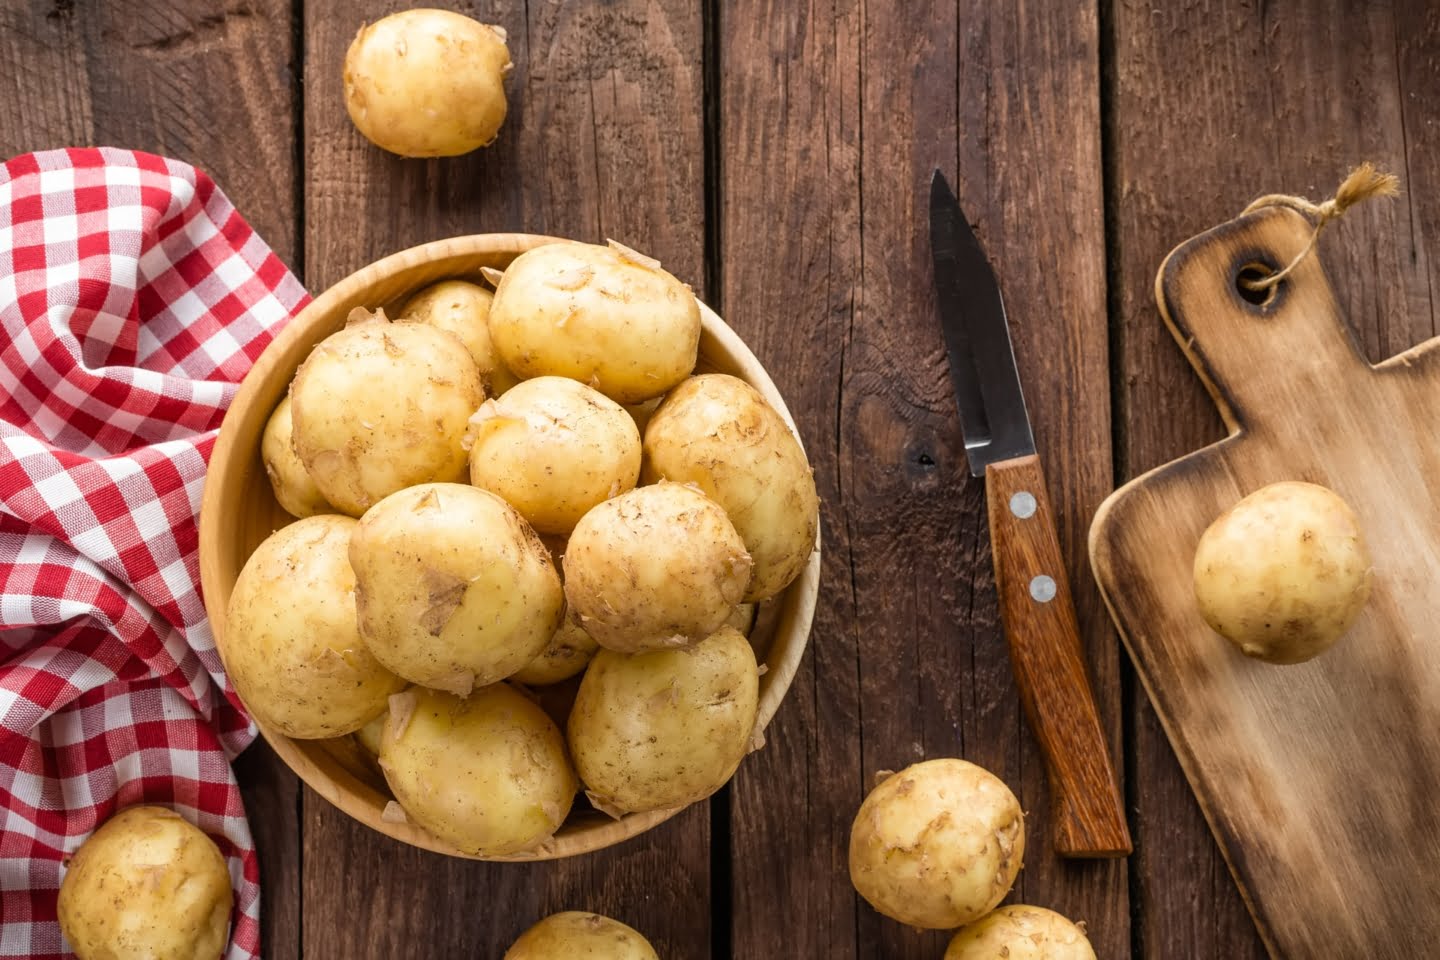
(496, 492)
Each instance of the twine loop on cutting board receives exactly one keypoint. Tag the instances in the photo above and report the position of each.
(1363, 183)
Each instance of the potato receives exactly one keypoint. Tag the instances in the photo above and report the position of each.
(580, 936)
(453, 588)
(381, 406)
(937, 845)
(1018, 932)
(294, 490)
(147, 885)
(463, 309)
(664, 728)
(660, 566)
(567, 653)
(643, 411)
(1283, 573)
(292, 645)
(717, 432)
(553, 448)
(606, 316)
(369, 735)
(742, 618)
(487, 774)
(427, 83)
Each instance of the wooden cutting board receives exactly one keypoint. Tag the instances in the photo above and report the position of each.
(1320, 781)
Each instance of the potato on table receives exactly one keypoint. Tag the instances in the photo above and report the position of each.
(147, 885)
(664, 728)
(660, 566)
(487, 774)
(292, 642)
(294, 490)
(380, 406)
(1020, 932)
(427, 83)
(462, 308)
(454, 589)
(580, 936)
(717, 432)
(606, 316)
(1283, 573)
(553, 448)
(937, 845)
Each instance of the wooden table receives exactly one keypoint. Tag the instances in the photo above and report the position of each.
(777, 156)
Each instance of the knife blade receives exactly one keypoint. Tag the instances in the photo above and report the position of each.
(993, 417)
(1036, 607)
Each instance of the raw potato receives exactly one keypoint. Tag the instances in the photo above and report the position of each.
(567, 653)
(294, 490)
(606, 316)
(381, 406)
(147, 885)
(487, 774)
(454, 590)
(580, 936)
(1019, 932)
(937, 845)
(643, 411)
(553, 448)
(660, 566)
(665, 728)
(717, 432)
(427, 83)
(292, 644)
(742, 618)
(463, 309)
(1283, 573)
(369, 735)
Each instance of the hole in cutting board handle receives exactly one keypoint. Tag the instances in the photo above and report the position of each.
(1251, 272)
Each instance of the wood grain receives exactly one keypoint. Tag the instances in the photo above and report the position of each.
(1036, 609)
(208, 85)
(832, 116)
(604, 137)
(1317, 779)
(1240, 78)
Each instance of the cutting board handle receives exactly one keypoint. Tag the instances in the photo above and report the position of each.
(1289, 332)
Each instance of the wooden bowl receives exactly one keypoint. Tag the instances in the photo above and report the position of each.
(239, 510)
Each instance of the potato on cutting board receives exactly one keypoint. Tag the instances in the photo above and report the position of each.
(1283, 573)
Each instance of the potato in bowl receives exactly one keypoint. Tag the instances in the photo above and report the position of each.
(240, 510)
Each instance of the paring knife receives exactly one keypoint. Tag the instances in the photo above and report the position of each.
(1030, 579)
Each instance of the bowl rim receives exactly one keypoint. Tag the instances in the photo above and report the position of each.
(593, 836)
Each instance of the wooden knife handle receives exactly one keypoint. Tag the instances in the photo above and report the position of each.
(1039, 619)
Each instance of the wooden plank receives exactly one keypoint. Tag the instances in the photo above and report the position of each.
(1236, 84)
(831, 119)
(1325, 813)
(212, 87)
(604, 138)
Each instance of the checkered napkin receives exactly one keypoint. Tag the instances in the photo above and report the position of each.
(133, 298)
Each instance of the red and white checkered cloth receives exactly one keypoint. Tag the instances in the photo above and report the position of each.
(133, 299)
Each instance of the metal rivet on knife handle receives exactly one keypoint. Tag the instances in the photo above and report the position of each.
(1023, 504)
(1042, 589)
